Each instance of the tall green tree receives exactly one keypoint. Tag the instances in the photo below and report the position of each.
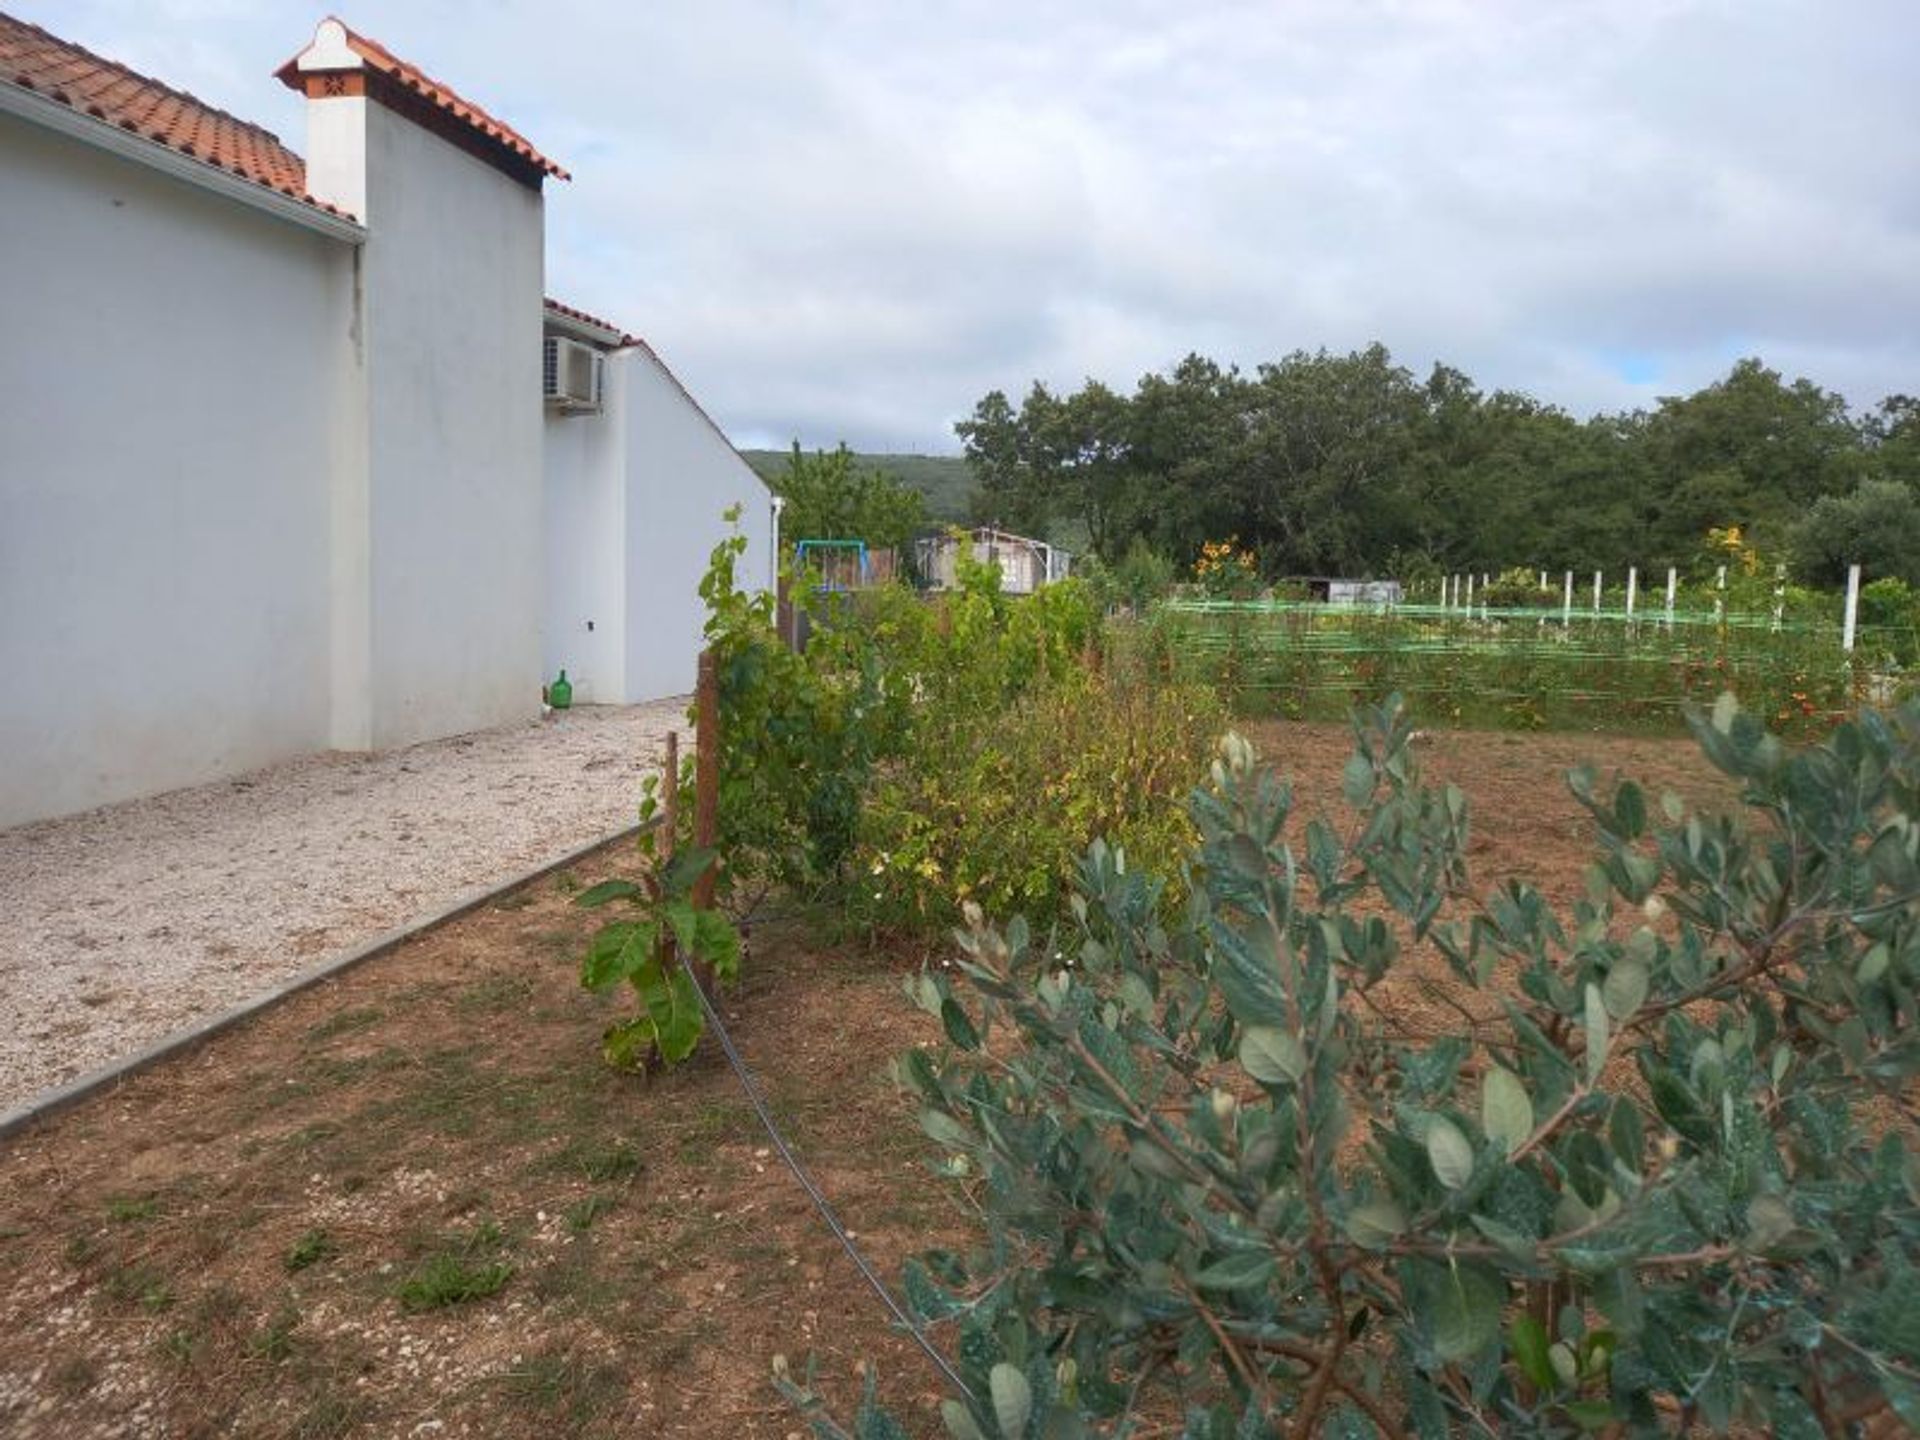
(1324, 462)
(1749, 450)
(830, 496)
(1876, 527)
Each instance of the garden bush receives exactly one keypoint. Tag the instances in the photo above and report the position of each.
(1659, 1176)
(999, 810)
(924, 750)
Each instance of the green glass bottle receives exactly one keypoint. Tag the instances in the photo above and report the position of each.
(560, 692)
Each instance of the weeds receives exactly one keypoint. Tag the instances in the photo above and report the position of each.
(458, 1270)
(565, 1386)
(346, 1022)
(273, 1342)
(141, 1283)
(310, 1249)
(126, 1209)
(582, 1213)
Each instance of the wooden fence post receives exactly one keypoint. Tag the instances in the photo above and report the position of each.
(670, 796)
(706, 794)
(663, 946)
(706, 772)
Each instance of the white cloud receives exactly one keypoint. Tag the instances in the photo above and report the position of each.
(843, 219)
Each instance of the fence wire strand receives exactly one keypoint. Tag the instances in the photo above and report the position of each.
(820, 1201)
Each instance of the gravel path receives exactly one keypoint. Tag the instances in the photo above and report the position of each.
(122, 925)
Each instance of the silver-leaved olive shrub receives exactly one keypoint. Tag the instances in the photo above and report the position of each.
(1651, 1169)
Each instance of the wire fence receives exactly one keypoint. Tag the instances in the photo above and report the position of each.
(1521, 667)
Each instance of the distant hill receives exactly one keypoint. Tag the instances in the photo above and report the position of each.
(944, 481)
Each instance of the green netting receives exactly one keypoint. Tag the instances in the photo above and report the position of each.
(1531, 668)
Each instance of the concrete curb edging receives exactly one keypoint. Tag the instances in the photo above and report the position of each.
(49, 1103)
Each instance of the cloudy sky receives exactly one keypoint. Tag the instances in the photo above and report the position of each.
(851, 220)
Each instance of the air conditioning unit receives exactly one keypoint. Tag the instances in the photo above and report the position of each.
(572, 375)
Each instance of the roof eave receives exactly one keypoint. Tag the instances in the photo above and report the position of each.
(574, 328)
(44, 110)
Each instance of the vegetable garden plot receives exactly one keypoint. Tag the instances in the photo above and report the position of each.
(1514, 668)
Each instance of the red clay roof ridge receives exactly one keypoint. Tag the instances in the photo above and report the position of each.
(573, 313)
(437, 92)
(42, 63)
(76, 48)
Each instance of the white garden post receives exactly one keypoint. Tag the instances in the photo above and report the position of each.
(1596, 592)
(1469, 594)
(1543, 582)
(1849, 626)
(1633, 588)
(1566, 605)
(1720, 595)
(1673, 583)
(1779, 594)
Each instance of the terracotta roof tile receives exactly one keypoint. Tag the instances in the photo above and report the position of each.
(584, 318)
(35, 60)
(654, 355)
(443, 97)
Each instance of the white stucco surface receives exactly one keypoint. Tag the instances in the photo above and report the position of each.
(452, 280)
(585, 470)
(265, 491)
(682, 475)
(636, 500)
(167, 378)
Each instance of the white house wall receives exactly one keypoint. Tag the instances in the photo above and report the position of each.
(681, 476)
(585, 630)
(168, 372)
(452, 283)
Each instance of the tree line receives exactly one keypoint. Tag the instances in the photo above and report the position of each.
(1349, 464)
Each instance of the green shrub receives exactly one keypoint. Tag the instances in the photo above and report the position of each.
(1662, 1175)
(1138, 578)
(998, 808)
(893, 695)
(1519, 590)
(1889, 620)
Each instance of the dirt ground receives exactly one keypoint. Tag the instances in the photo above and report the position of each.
(413, 1202)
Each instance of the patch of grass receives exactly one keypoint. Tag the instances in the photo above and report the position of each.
(518, 900)
(558, 944)
(273, 1341)
(700, 1136)
(447, 1093)
(328, 1415)
(344, 1070)
(178, 1345)
(126, 1209)
(310, 1249)
(461, 1268)
(582, 1213)
(141, 1283)
(495, 994)
(449, 1279)
(596, 1159)
(83, 1250)
(566, 882)
(345, 1022)
(582, 1280)
(566, 1387)
(308, 1137)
